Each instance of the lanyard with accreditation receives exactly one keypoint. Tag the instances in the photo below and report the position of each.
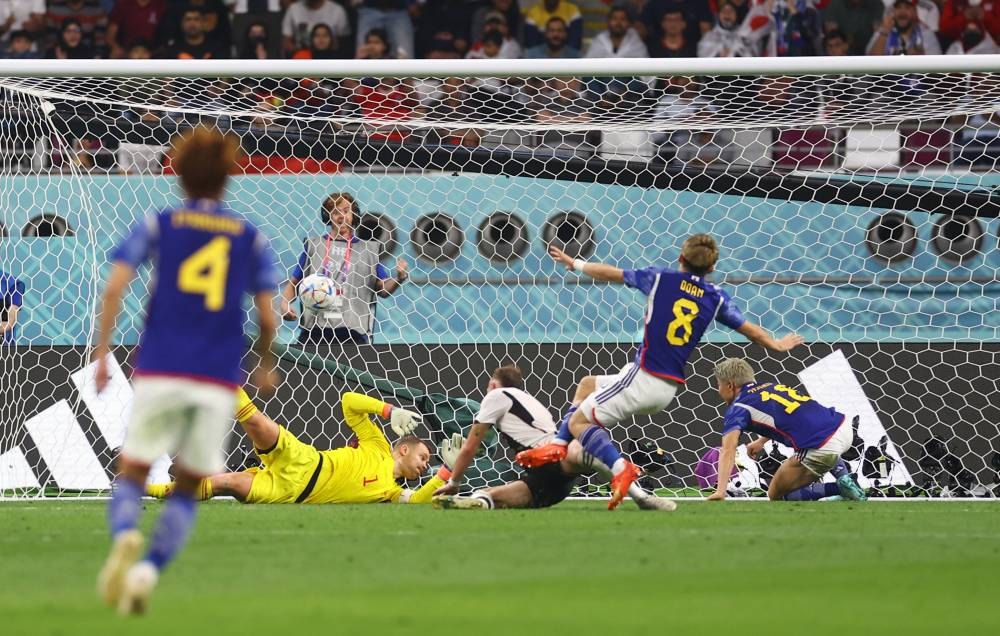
(341, 279)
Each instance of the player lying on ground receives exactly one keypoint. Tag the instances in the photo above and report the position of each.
(205, 257)
(295, 472)
(680, 305)
(819, 435)
(523, 422)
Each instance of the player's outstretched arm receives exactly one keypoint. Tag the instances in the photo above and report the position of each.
(464, 459)
(727, 459)
(121, 276)
(758, 334)
(597, 271)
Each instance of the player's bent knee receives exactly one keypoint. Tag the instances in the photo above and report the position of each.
(587, 386)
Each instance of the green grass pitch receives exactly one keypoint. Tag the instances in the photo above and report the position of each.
(734, 568)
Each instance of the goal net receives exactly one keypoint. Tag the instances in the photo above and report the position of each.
(853, 201)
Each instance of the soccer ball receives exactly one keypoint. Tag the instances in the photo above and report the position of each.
(316, 292)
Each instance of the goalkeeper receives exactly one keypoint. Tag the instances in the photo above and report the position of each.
(295, 472)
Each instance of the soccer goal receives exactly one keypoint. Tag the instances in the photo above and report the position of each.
(854, 201)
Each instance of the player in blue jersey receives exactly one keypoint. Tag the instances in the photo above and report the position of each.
(819, 435)
(680, 305)
(205, 259)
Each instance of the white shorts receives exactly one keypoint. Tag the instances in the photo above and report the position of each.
(186, 419)
(820, 460)
(631, 392)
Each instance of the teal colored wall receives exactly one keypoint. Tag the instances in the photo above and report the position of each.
(763, 239)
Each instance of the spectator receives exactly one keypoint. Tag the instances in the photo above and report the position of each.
(448, 105)
(510, 11)
(538, 15)
(140, 158)
(973, 41)
(795, 29)
(194, 43)
(215, 22)
(928, 13)
(857, 19)
(70, 45)
(11, 300)
(619, 39)
(674, 41)
(22, 15)
(687, 110)
(836, 43)
(387, 100)
(302, 16)
(354, 267)
(20, 46)
(376, 47)
(509, 48)
(697, 14)
(902, 34)
(957, 15)
(444, 27)
(249, 12)
(255, 42)
(394, 17)
(555, 45)
(88, 13)
(727, 38)
(133, 20)
(322, 45)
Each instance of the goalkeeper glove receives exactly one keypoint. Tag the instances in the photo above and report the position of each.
(404, 422)
(450, 448)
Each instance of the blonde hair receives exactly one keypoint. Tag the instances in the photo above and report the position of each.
(700, 253)
(203, 158)
(735, 370)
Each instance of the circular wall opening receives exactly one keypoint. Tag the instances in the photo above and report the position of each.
(375, 226)
(47, 225)
(891, 237)
(571, 232)
(437, 238)
(957, 238)
(502, 237)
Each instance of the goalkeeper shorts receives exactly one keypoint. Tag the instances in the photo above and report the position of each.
(548, 484)
(290, 471)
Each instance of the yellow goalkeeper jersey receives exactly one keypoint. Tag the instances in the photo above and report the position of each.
(364, 474)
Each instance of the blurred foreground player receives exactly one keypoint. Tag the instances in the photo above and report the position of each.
(680, 306)
(819, 435)
(205, 258)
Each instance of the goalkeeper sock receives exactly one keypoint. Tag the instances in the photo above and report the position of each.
(813, 492)
(124, 509)
(245, 408)
(205, 490)
(172, 529)
(597, 442)
(840, 469)
(160, 491)
(564, 436)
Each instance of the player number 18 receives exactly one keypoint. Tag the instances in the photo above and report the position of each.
(205, 272)
(679, 330)
(792, 402)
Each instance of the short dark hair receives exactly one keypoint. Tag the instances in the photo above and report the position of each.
(193, 8)
(835, 34)
(615, 10)
(492, 37)
(556, 18)
(509, 376)
(411, 441)
(22, 34)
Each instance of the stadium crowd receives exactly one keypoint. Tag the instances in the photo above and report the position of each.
(489, 29)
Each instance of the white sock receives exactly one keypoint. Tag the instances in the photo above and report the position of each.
(619, 466)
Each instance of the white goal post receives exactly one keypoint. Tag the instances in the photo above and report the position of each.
(854, 200)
